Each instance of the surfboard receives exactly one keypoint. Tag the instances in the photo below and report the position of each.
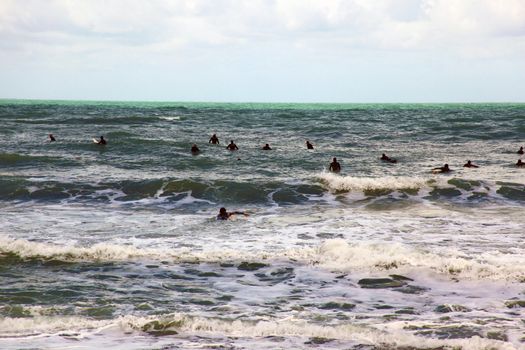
(95, 140)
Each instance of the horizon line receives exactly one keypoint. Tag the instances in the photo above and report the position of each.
(2, 99)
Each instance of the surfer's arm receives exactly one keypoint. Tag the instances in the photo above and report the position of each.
(237, 213)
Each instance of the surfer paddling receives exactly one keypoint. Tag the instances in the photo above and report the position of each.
(386, 158)
(469, 164)
(224, 215)
(335, 167)
(443, 169)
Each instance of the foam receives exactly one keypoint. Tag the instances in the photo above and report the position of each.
(101, 251)
(170, 118)
(339, 255)
(333, 254)
(31, 326)
(113, 252)
(288, 327)
(336, 182)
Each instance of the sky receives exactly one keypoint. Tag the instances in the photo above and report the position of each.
(264, 50)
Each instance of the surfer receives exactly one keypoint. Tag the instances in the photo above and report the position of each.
(214, 140)
(102, 141)
(266, 147)
(520, 151)
(232, 146)
(520, 163)
(385, 158)
(335, 167)
(224, 215)
(195, 149)
(51, 138)
(309, 145)
(469, 164)
(443, 169)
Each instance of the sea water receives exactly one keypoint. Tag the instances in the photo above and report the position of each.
(117, 246)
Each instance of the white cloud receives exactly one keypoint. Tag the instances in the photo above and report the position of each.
(415, 24)
(256, 35)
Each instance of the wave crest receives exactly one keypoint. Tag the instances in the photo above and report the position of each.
(333, 254)
(340, 255)
(336, 182)
(390, 337)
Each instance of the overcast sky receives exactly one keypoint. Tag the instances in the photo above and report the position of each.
(264, 50)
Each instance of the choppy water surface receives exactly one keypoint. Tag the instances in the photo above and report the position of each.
(117, 246)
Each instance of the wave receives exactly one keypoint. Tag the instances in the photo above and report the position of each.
(159, 190)
(342, 256)
(15, 159)
(425, 188)
(174, 192)
(188, 325)
(339, 183)
(333, 254)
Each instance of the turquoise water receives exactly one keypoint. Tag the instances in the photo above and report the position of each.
(117, 244)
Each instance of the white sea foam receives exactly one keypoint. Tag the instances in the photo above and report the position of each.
(100, 251)
(333, 254)
(339, 255)
(336, 182)
(31, 326)
(171, 118)
(288, 327)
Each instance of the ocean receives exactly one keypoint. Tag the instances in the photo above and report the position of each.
(117, 246)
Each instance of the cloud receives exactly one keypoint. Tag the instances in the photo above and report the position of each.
(251, 38)
(405, 23)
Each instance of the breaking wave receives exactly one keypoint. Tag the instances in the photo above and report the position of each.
(172, 191)
(333, 254)
(290, 327)
(350, 183)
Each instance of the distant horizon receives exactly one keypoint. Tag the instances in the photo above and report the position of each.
(3, 100)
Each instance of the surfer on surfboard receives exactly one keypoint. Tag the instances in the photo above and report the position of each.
(232, 146)
(443, 169)
(335, 167)
(469, 164)
(224, 215)
(102, 141)
(214, 140)
(309, 145)
(386, 158)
